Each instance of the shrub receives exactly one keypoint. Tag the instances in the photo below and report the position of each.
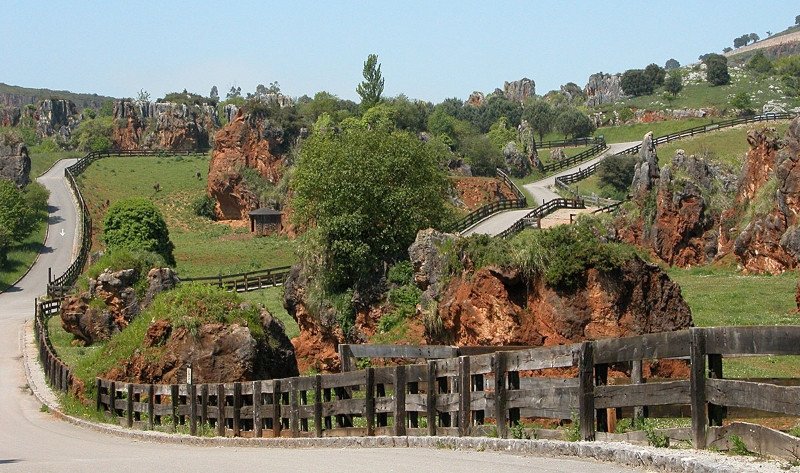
(137, 224)
(717, 69)
(760, 63)
(635, 82)
(401, 273)
(617, 172)
(203, 206)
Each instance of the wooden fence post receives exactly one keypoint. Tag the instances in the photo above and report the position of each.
(294, 408)
(637, 377)
(715, 413)
(221, 421)
(204, 404)
(345, 357)
(151, 406)
(601, 379)
(237, 408)
(430, 397)
(98, 384)
(174, 395)
(112, 398)
(586, 391)
(277, 421)
(318, 405)
(500, 394)
(192, 388)
(258, 429)
(129, 406)
(369, 401)
(698, 388)
(465, 397)
(400, 400)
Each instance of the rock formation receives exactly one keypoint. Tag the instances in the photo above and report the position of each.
(56, 117)
(10, 116)
(245, 142)
(111, 303)
(603, 89)
(770, 185)
(216, 352)
(517, 162)
(163, 125)
(15, 164)
(519, 90)
(474, 192)
(646, 171)
(476, 99)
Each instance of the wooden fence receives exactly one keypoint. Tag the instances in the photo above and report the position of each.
(586, 141)
(520, 202)
(244, 282)
(539, 213)
(466, 395)
(689, 132)
(58, 286)
(578, 158)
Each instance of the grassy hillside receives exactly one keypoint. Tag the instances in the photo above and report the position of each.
(19, 96)
(202, 247)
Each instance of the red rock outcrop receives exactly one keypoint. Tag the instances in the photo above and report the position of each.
(216, 352)
(246, 142)
(475, 192)
(497, 307)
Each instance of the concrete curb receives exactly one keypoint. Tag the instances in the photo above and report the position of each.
(649, 458)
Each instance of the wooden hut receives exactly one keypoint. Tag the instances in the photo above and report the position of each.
(265, 221)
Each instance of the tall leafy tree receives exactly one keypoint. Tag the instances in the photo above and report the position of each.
(635, 82)
(673, 83)
(371, 88)
(20, 211)
(717, 69)
(672, 64)
(540, 116)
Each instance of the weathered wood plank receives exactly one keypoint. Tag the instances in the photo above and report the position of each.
(341, 380)
(430, 398)
(416, 373)
(561, 399)
(399, 411)
(650, 346)
(559, 356)
(484, 350)
(500, 398)
(465, 399)
(547, 383)
(344, 407)
(698, 388)
(761, 440)
(650, 394)
(769, 340)
(761, 396)
(369, 401)
(403, 351)
(586, 410)
(447, 402)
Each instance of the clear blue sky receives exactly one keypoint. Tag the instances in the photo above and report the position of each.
(428, 49)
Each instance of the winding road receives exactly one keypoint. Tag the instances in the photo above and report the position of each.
(541, 191)
(33, 440)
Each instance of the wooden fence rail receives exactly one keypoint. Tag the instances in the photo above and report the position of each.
(578, 158)
(590, 140)
(465, 395)
(519, 202)
(249, 281)
(540, 212)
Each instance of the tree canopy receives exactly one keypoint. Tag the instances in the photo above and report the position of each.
(673, 83)
(371, 88)
(717, 69)
(20, 211)
(137, 224)
(635, 82)
(364, 193)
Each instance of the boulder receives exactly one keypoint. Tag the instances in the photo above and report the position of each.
(557, 154)
(519, 90)
(517, 162)
(428, 261)
(15, 164)
(216, 352)
(603, 89)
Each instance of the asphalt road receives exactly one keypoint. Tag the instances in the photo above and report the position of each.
(541, 191)
(34, 441)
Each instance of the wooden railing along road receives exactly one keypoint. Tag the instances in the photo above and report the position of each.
(469, 395)
(519, 202)
(540, 212)
(244, 282)
(578, 158)
(585, 141)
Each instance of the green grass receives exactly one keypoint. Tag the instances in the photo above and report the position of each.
(272, 299)
(21, 256)
(636, 131)
(41, 162)
(722, 296)
(202, 247)
(544, 154)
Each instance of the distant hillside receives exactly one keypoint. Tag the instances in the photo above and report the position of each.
(14, 96)
(782, 44)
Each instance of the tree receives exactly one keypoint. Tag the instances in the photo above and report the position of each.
(743, 103)
(20, 211)
(672, 64)
(497, 106)
(136, 224)
(797, 20)
(769, 33)
(655, 74)
(365, 194)
(234, 93)
(214, 94)
(754, 37)
(635, 82)
(93, 135)
(739, 42)
(540, 116)
(371, 88)
(673, 83)
(500, 133)
(572, 122)
(760, 63)
(616, 172)
(143, 96)
(727, 49)
(717, 69)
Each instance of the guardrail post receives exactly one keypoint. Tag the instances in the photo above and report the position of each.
(192, 388)
(345, 357)
(586, 410)
(698, 388)
(151, 406)
(221, 420)
(129, 406)
(112, 398)
(294, 409)
(369, 401)
(601, 379)
(204, 404)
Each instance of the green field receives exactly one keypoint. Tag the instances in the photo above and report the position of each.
(723, 296)
(21, 256)
(202, 247)
(272, 299)
(636, 131)
(41, 162)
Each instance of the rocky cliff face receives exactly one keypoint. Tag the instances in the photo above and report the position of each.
(474, 192)
(770, 187)
(216, 352)
(57, 118)
(519, 90)
(163, 125)
(15, 164)
(602, 89)
(246, 142)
